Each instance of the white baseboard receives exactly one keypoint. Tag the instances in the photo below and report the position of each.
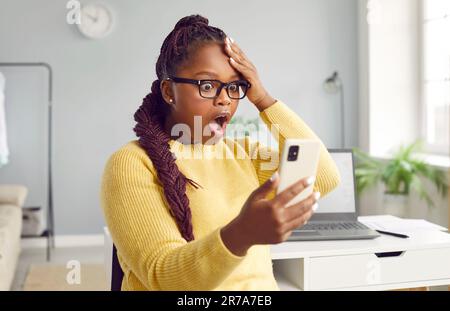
(65, 241)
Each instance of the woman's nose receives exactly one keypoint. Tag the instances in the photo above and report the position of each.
(225, 102)
(223, 99)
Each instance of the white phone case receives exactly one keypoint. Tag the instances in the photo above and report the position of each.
(305, 166)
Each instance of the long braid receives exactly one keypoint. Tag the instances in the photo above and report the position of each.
(150, 116)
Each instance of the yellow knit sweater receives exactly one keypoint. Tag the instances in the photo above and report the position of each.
(151, 250)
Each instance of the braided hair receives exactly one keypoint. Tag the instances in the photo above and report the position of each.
(188, 33)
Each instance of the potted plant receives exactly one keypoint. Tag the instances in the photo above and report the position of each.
(399, 175)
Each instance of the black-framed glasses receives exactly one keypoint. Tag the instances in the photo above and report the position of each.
(209, 88)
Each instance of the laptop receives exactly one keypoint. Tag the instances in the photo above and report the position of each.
(336, 217)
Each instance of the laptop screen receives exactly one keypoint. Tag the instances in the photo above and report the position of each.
(342, 198)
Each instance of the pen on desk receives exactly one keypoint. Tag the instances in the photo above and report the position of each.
(393, 234)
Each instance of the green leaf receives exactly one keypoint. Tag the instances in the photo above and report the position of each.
(400, 174)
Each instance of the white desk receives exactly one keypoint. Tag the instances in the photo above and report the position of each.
(423, 260)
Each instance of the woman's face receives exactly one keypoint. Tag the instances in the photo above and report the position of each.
(209, 61)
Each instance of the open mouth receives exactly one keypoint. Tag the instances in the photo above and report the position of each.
(219, 123)
(221, 120)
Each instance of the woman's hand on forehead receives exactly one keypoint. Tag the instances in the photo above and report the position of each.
(257, 94)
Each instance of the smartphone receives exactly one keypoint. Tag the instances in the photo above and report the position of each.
(299, 159)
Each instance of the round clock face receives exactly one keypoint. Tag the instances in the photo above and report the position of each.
(96, 21)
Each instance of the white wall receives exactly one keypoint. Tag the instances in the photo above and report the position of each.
(98, 85)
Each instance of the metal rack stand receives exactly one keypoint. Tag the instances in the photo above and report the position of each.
(49, 233)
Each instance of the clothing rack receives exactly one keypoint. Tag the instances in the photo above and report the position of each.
(49, 233)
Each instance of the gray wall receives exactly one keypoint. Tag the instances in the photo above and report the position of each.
(99, 84)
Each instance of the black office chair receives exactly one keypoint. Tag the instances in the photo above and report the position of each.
(116, 273)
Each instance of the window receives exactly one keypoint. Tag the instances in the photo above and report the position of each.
(436, 75)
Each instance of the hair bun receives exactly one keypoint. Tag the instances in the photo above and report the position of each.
(192, 20)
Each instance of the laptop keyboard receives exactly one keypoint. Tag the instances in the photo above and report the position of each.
(333, 226)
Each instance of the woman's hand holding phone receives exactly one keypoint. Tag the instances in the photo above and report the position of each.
(264, 221)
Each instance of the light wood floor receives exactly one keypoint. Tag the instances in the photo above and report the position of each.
(60, 256)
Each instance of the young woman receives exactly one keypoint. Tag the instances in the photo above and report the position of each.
(202, 222)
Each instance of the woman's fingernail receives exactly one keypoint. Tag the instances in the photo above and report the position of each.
(315, 206)
(310, 180)
(231, 39)
(317, 195)
(231, 58)
(274, 176)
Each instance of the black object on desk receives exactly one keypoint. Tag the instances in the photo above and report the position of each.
(398, 235)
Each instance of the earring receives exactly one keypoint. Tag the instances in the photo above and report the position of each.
(170, 100)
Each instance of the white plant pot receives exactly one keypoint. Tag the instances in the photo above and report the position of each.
(396, 204)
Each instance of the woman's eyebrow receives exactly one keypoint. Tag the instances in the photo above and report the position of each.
(213, 75)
